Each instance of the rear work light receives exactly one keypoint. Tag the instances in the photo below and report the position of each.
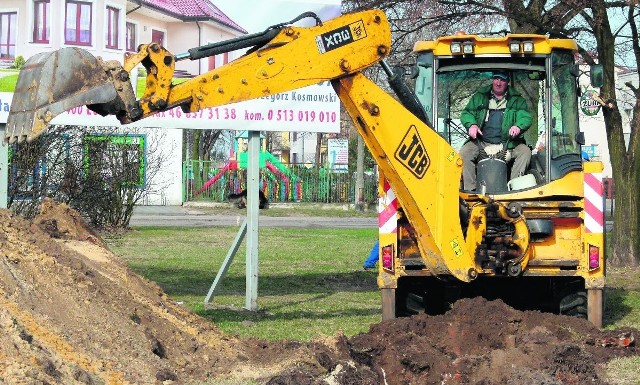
(387, 258)
(527, 46)
(467, 47)
(456, 48)
(594, 257)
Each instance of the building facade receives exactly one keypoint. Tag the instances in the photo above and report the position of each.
(110, 28)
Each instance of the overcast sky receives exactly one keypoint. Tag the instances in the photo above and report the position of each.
(256, 16)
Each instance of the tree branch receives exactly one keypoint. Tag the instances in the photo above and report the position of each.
(634, 39)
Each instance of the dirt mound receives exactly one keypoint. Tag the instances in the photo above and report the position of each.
(62, 222)
(487, 342)
(72, 313)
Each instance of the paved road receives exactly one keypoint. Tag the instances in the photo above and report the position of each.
(194, 217)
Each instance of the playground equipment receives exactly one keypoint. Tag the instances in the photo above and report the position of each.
(279, 182)
(231, 165)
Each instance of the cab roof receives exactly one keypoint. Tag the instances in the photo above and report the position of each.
(494, 45)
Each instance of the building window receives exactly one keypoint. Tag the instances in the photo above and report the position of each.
(218, 61)
(41, 14)
(113, 15)
(132, 44)
(157, 37)
(78, 23)
(8, 24)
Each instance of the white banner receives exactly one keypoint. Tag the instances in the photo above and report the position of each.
(310, 109)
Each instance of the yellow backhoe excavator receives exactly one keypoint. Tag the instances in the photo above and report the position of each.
(535, 241)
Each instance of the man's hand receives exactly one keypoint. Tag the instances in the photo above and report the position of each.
(514, 131)
(474, 131)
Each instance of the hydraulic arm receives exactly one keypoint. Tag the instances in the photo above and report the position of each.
(284, 58)
(422, 168)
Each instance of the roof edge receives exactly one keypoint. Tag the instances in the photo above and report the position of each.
(144, 4)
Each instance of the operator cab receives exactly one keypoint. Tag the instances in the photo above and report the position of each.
(451, 69)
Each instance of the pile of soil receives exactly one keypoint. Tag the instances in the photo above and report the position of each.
(72, 313)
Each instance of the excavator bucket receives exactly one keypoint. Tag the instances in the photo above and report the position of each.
(51, 83)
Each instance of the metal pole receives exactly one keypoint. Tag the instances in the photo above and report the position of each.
(253, 181)
(227, 262)
(358, 195)
(4, 168)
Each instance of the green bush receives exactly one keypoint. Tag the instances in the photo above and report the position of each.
(18, 62)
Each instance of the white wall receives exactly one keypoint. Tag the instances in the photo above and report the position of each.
(166, 187)
(163, 145)
(303, 148)
(595, 134)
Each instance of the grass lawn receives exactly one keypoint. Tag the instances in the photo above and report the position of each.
(310, 281)
(8, 82)
(622, 309)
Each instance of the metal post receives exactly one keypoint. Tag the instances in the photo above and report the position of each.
(358, 195)
(253, 181)
(226, 263)
(4, 168)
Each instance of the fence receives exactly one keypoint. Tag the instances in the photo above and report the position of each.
(203, 181)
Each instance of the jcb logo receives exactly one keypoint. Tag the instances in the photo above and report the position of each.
(341, 36)
(412, 153)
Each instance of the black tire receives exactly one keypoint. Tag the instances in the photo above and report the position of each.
(574, 304)
(414, 303)
(408, 303)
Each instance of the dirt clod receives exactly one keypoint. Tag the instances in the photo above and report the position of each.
(72, 313)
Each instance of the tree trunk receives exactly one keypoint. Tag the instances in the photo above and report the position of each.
(318, 148)
(624, 160)
(359, 189)
(625, 164)
(626, 230)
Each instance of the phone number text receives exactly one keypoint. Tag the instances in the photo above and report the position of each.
(234, 114)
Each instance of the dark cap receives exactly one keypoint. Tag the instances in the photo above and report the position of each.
(500, 74)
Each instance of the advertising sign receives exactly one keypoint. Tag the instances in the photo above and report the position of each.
(338, 152)
(588, 105)
(310, 109)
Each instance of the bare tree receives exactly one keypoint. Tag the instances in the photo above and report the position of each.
(101, 175)
(416, 20)
(588, 21)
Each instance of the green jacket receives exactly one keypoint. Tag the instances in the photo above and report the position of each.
(515, 114)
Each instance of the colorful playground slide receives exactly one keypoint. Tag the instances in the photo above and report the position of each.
(273, 165)
(284, 173)
(230, 165)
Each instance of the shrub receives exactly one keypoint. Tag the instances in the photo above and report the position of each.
(18, 62)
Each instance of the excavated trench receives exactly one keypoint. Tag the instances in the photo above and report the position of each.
(71, 312)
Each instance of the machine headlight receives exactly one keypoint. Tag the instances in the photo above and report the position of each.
(514, 47)
(456, 47)
(527, 46)
(467, 47)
